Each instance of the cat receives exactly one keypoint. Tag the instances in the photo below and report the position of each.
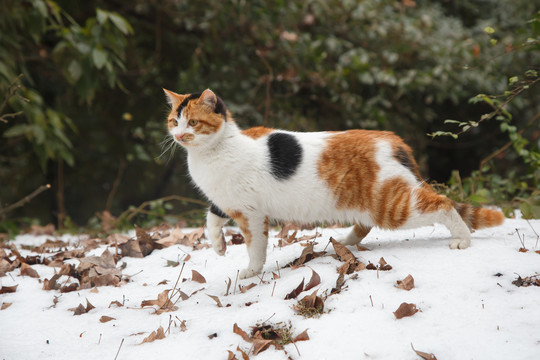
(363, 177)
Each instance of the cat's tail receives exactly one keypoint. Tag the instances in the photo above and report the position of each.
(478, 218)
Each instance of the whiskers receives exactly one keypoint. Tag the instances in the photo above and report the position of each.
(168, 145)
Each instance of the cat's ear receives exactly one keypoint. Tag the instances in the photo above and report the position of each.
(208, 98)
(173, 98)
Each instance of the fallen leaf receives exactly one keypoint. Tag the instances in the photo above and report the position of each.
(105, 319)
(5, 305)
(41, 230)
(26, 270)
(285, 230)
(308, 254)
(211, 336)
(314, 281)
(244, 355)
(51, 284)
(146, 244)
(131, 248)
(183, 326)
(339, 285)
(155, 335)
(79, 310)
(196, 276)
(423, 355)
(361, 248)
(405, 309)
(238, 331)
(216, 299)
(294, 294)
(116, 303)
(406, 284)
(162, 302)
(303, 336)
(243, 289)
(342, 252)
(260, 345)
(383, 265)
(310, 306)
(231, 355)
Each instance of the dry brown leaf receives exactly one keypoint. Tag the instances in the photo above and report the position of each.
(51, 284)
(314, 281)
(307, 254)
(26, 270)
(155, 335)
(183, 326)
(79, 310)
(339, 285)
(216, 299)
(116, 303)
(41, 230)
(243, 289)
(5, 305)
(361, 248)
(244, 355)
(405, 309)
(406, 284)
(383, 265)
(162, 300)
(424, 355)
(285, 230)
(196, 276)
(260, 345)
(342, 252)
(231, 356)
(294, 294)
(238, 331)
(302, 336)
(105, 319)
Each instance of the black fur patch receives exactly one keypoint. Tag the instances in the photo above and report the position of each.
(219, 109)
(403, 157)
(285, 155)
(217, 211)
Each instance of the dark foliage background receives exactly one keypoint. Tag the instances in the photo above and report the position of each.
(87, 114)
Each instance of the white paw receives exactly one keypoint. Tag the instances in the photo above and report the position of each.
(247, 273)
(219, 246)
(460, 243)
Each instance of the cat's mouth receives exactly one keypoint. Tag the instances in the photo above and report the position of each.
(184, 139)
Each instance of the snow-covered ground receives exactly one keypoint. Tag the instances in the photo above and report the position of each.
(468, 306)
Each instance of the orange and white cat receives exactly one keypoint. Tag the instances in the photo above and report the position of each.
(367, 178)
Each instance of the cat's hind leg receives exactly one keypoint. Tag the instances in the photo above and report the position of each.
(255, 230)
(215, 219)
(435, 208)
(357, 234)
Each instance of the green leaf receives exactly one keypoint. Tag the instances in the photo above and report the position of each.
(121, 23)
(489, 30)
(75, 70)
(99, 57)
(513, 80)
(18, 130)
(101, 16)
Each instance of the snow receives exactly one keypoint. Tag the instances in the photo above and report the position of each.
(466, 311)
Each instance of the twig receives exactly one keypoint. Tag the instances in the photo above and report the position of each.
(25, 199)
(535, 233)
(273, 288)
(130, 213)
(235, 281)
(116, 185)
(12, 89)
(118, 352)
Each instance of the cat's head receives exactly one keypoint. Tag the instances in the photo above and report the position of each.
(195, 119)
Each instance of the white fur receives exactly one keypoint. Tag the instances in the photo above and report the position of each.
(232, 170)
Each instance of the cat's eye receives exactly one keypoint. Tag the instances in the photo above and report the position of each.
(174, 122)
(193, 122)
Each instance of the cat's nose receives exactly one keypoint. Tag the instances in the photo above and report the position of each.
(179, 137)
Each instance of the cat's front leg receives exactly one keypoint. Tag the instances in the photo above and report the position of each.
(215, 219)
(255, 230)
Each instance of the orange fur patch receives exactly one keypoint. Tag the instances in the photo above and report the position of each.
(392, 205)
(257, 131)
(242, 221)
(478, 218)
(348, 166)
(427, 200)
(360, 230)
(208, 121)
